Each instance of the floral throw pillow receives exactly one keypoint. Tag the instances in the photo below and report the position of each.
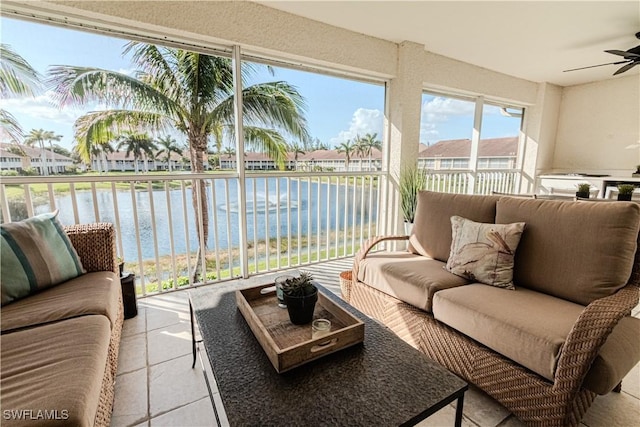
(484, 252)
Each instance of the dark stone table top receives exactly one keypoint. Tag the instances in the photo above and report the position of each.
(381, 382)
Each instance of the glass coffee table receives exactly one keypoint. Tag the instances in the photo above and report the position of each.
(381, 382)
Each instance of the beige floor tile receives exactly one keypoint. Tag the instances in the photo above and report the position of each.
(169, 343)
(135, 325)
(631, 383)
(130, 403)
(482, 409)
(198, 413)
(133, 353)
(444, 417)
(613, 409)
(144, 424)
(174, 384)
(162, 317)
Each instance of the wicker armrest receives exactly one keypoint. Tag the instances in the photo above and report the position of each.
(95, 244)
(366, 248)
(589, 333)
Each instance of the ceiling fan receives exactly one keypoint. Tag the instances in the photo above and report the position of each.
(631, 59)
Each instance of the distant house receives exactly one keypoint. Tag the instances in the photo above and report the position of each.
(493, 153)
(120, 162)
(54, 162)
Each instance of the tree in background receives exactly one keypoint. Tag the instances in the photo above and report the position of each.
(17, 78)
(99, 153)
(51, 136)
(190, 92)
(139, 144)
(39, 137)
(366, 144)
(296, 149)
(348, 149)
(167, 145)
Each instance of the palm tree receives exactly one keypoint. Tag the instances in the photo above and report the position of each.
(296, 149)
(348, 149)
(167, 146)
(367, 143)
(17, 78)
(99, 152)
(191, 92)
(139, 144)
(51, 136)
(39, 136)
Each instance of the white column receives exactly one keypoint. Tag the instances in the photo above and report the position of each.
(404, 98)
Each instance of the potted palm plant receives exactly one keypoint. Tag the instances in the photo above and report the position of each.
(625, 191)
(412, 180)
(583, 190)
(637, 172)
(300, 296)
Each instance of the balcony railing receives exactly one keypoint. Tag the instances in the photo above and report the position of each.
(485, 181)
(290, 219)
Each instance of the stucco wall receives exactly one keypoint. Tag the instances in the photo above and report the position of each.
(596, 122)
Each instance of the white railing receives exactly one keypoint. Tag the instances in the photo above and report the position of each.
(486, 181)
(292, 219)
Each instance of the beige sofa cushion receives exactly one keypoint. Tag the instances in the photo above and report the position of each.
(56, 366)
(526, 326)
(410, 278)
(91, 293)
(575, 251)
(616, 358)
(431, 234)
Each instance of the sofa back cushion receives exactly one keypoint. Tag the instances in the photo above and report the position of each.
(576, 251)
(35, 254)
(431, 234)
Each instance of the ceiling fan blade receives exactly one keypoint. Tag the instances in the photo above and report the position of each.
(626, 67)
(599, 65)
(629, 54)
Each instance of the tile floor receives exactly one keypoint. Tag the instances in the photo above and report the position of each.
(157, 387)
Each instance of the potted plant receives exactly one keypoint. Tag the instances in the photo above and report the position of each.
(583, 190)
(300, 296)
(637, 172)
(412, 180)
(625, 191)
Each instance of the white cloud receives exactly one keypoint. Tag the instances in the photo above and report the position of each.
(437, 111)
(41, 107)
(363, 121)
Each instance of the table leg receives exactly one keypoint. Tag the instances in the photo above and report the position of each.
(459, 406)
(193, 335)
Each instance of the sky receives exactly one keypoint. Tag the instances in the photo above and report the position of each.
(338, 109)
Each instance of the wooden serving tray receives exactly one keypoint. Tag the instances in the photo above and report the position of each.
(287, 345)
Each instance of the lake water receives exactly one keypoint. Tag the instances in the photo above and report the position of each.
(323, 194)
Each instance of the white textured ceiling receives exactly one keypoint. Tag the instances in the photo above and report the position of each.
(533, 40)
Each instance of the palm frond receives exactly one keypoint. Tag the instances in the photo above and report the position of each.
(80, 85)
(157, 67)
(17, 77)
(99, 127)
(267, 141)
(10, 126)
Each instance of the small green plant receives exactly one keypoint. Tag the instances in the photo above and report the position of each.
(626, 189)
(637, 169)
(412, 180)
(299, 286)
(584, 188)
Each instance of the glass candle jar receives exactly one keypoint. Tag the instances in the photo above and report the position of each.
(320, 328)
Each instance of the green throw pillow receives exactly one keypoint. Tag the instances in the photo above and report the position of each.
(35, 254)
(484, 252)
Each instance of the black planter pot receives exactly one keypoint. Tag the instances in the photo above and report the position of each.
(121, 268)
(301, 308)
(582, 195)
(625, 197)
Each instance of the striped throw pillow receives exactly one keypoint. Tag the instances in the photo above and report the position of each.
(35, 254)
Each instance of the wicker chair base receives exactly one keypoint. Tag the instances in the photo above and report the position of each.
(107, 392)
(533, 399)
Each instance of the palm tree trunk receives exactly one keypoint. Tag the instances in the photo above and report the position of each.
(197, 148)
(53, 157)
(43, 159)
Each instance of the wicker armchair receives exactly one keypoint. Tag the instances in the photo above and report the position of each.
(529, 396)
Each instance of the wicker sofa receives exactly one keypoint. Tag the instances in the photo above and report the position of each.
(59, 347)
(545, 349)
